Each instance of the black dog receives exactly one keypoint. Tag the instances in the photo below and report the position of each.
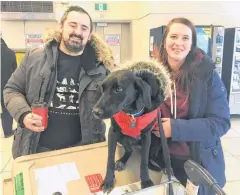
(129, 95)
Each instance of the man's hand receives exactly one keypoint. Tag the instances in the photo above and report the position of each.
(166, 123)
(33, 122)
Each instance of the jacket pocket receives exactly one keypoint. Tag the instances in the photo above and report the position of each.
(21, 142)
(92, 92)
(16, 142)
(212, 159)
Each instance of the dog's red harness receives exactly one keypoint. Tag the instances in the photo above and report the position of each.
(126, 122)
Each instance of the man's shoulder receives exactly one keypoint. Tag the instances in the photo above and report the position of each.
(46, 52)
(35, 52)
(35, 56)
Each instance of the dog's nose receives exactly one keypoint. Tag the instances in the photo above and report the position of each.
(97, 112)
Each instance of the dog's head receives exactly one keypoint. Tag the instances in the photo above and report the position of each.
(119, 90)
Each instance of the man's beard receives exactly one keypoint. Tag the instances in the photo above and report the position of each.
(74, 46)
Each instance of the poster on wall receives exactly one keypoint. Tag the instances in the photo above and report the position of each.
(112, 40)
(34, 40)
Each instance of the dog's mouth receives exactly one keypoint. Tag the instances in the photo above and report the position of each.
(102, 114)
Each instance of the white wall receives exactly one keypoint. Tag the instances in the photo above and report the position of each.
(143, 17)
(13, 32)
(117, 10)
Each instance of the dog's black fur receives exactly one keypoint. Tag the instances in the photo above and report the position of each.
(124, 90)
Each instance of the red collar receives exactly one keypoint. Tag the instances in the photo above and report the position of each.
(133, 126)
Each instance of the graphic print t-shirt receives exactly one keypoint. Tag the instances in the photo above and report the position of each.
(64, 128)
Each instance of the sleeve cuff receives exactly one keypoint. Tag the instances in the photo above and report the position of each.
(21, 119)
(175, 130)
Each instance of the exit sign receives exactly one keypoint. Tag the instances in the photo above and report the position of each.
(100, 6)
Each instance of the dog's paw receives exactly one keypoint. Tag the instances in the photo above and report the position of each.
(120, 166)
(107, 185)
(146, 184)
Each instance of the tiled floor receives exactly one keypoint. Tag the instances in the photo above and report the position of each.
(230, 142)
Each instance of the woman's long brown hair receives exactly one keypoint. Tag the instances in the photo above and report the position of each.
(183, 78)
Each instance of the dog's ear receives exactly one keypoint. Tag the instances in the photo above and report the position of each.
(159, 97)
(145, 93)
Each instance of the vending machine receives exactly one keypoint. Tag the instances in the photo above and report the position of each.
(231, 68)
(209, 38)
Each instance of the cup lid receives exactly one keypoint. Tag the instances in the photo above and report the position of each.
(39, 104)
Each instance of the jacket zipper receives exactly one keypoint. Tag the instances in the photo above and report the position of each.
(53, 89)
(40, 90)
(54, 79)
(35, 144)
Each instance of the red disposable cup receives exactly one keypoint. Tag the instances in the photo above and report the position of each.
(41, 109)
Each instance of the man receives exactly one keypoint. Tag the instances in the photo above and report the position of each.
(8, 66)
(65, 75)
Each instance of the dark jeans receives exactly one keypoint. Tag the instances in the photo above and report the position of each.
(156, 155)
(178, 170)
(41, 149)
(177, 167)
(45, 149)
(7, 120)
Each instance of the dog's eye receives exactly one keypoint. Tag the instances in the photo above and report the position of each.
(118, 90)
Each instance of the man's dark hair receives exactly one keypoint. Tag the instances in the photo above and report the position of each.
(76, 9)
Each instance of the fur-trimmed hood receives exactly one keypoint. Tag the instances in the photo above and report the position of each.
(102, 51)
(153, 67)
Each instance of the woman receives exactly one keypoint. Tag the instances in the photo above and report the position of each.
(196, 115)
